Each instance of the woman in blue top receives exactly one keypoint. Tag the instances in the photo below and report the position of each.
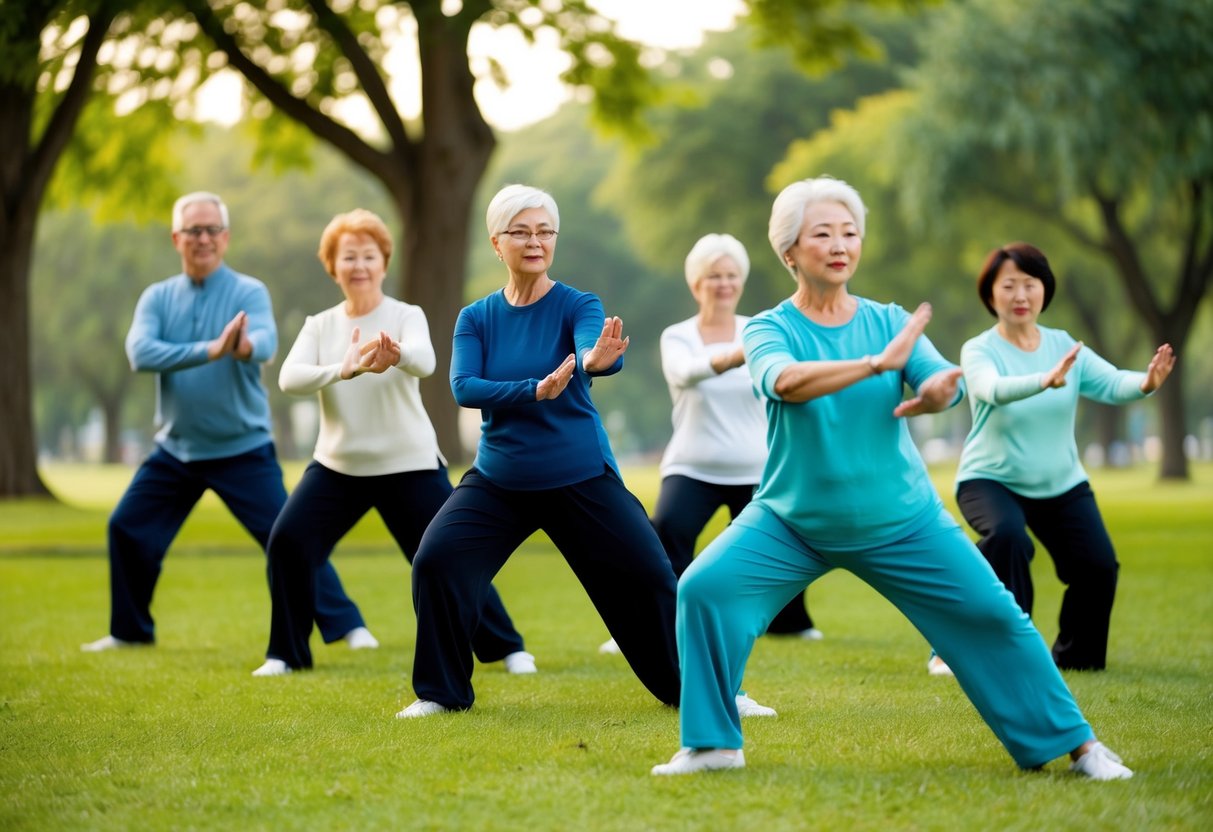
(845, 487)
(525, 356)
(1019, 469)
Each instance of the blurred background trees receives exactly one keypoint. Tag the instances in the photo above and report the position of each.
(1083, 127)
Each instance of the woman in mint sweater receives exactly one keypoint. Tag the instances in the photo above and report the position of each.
(1019, 469)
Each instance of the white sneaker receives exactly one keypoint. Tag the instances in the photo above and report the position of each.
(272, 667)
(110, 643)
(609, 648)
(422, 707)
(520, 662)
(360, 638)
(1101, 763)
(938, 667)
(811, 634)
(748, 707)
(690, 760)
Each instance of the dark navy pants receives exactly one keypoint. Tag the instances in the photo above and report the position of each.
(684, 507)
(1070, 527)
(603, 533)
(321, 510)
(159, 499)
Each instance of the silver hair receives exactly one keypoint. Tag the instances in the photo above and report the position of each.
(710, 248)
(787, 213)
(192, 199)
(512, 200)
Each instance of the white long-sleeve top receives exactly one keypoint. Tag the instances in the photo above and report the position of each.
(372, 424)
(720, 426)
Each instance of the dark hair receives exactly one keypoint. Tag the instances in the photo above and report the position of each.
(1030, 260)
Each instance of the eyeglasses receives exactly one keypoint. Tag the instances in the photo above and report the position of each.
(197, 231)
(522, 235)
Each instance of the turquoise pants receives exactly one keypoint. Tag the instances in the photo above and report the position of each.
(938, 580)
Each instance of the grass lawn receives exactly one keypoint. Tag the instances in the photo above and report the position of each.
(182, 737)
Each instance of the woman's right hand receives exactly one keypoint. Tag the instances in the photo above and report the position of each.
(351, 365)
(1057, 376)
(553, 384)
(897, 352)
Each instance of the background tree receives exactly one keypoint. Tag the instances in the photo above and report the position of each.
(1098, 116)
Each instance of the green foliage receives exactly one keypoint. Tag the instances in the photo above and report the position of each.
(180, 736)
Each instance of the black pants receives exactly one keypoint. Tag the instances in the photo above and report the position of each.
(684, 507)
(1072, 530)
(320, 511)
(603, 533)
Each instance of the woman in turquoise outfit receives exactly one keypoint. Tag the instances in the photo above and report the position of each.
(844, 487)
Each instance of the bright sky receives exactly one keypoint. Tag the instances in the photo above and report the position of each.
(535, 91)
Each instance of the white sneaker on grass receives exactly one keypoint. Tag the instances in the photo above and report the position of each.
(272, 667)
(520, 662)
(1101, 763)
(938, 667)
(691, 760)
(360, 638)
(811, 634)
(748, 707)
(609, 648)
(422, 707)
(110, 643)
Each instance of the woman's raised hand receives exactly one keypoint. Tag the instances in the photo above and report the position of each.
(351, 365)
(1160, 367)
(611, 344)
(553, 384)
(897, 352)
(1057, 376)
(380, 354)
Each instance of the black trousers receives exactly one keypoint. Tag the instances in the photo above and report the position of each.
(603, 533)
(684, 507)
(1072, 530)
(320, 511)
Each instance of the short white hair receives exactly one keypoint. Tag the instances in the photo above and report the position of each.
(511, 201)
(710, 248)
(193, 199)
(787, 214)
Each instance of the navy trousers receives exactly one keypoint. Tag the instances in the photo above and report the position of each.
(684, 507)
(321, 510)
(603, 533)
(1070, 527)
(159, 499)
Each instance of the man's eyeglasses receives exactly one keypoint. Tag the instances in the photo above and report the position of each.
(522, 235)
(197, 231)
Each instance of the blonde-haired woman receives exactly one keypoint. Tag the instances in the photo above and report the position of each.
(376, 449)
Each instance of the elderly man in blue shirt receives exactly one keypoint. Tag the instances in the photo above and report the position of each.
(205, 334)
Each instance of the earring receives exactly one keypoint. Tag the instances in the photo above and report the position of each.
(499, 257)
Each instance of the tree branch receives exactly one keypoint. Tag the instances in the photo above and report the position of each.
(1120, 247)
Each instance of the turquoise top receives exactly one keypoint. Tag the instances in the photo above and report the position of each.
(843, 473)
(1023, 435)
(205, 409)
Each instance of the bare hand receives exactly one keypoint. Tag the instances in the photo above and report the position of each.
(351, 365)
(611, 344)
(725, 361)
(230, 340)
(1057, 376)
(553, 384)
(1160, 367)
(936, 394)
(380, 354)
(897, 352)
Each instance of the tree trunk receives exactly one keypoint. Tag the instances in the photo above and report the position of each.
(1171, 422)
(111, 412)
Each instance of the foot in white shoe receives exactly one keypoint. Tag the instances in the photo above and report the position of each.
(811, 634)
(110, 643)
(520, 662)
(748, 707)
(360, 638)
(938, 667)
(609, 648)
(691, 760)
(422, 707)
(1100, 763)
(272, 667)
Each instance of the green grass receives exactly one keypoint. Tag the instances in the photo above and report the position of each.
(181, 737)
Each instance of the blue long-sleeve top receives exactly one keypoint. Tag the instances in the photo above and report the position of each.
(843, 472)
(500, 354)
(205, 409)
(1023, 434)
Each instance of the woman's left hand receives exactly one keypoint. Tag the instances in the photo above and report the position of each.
(936, 394)
(1160, 367)
(611, 344)
(380, 354)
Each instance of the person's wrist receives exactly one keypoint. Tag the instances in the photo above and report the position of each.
(873, 362)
